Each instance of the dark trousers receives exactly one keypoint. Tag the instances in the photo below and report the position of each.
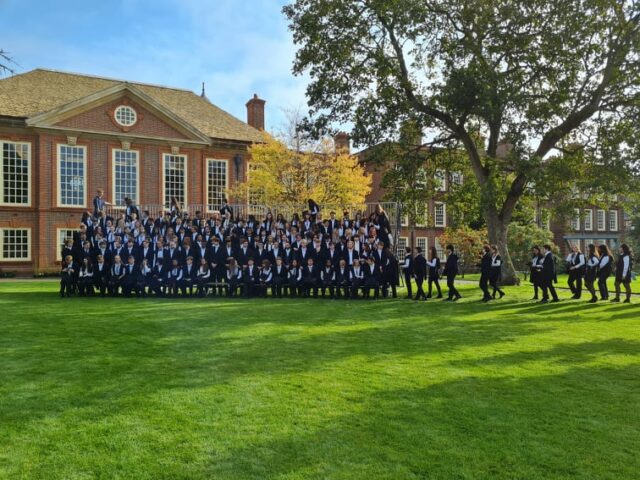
(355, 285)
(453, 291)
(67, 284)
(575, 284)
(493, 281)
(433, 280)
(548, 287)
(627, 288)
(419, 291)
(604, 289)
(407, 282)
(342, 290)
(276, 288)
(85, 286)
(589, 282)
(484, 286)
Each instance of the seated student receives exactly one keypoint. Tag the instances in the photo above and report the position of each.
(189, 277)
(159, 278)
(130, 280)
(327, 278)
(371, 278)
(356, 277)
(203, 277)
(144, 277)
(85, 278)
(434, 272)
(116, 276)
(294, 282)
(250, 278)
(68, 276)
(341, 281)
(174, 278)
(67, 249)
(101, 275)
(234, 277)
(310, 277)
(265, 278)
(280, 277)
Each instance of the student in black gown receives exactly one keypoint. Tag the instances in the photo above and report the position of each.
(407, 270)
(496, 272)
(485, 272)
(535, 266)
(450, 272)
(575, 268)
(548, 275)
(591, 271)
(420, 272)
(434, 272)
(68, 276)
(85, 277)
(623, 273)
(604, 270)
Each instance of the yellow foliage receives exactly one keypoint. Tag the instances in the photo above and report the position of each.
(281, 176)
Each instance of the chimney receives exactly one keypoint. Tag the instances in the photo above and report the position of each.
(255, 112)
(342, 142)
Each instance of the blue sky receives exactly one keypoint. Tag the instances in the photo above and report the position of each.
(237, 47)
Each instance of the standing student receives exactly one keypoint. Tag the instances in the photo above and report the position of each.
(390, 275)
(101, 275)
(420, 272)
(496, 272)
(548, 275)
(314, 209)
(68, 276)
(485, 272)
(189, 277)
(280, 277)
(371, 278)
(451, 271)
(623, 273)
(434, 272)
(407, 270)
(534, 270)
(99, 204)
(604, 270)
(310, 278)
(591, 272)
(575, 267)
(85, 278)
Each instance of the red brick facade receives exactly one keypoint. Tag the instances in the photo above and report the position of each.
(95, 129)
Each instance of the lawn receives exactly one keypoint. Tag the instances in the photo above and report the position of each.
(304, 389)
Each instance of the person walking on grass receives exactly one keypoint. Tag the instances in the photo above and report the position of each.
(623, 273)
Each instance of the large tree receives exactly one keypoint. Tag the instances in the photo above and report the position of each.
(537, 75)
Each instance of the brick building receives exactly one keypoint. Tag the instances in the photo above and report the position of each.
(589, 225)
(62, 136)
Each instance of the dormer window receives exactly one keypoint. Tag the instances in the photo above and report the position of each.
(125, 116)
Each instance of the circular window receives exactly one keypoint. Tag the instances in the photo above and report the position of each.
(125, 116)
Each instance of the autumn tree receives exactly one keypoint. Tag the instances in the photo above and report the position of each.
(536, 75)
(280, 175)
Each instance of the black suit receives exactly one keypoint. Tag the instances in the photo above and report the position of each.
(485, 275)
(310, 277)
(547, 277)
(450, 271)
(371, 280)
(420, 272)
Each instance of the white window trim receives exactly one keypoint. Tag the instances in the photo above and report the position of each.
(114, 200)
(135, 116)
(58, 246)
(29, 245)
(576, 220)
(206, 182)
(404, 221)
(186, 177)
(441, 175)
(444, 215)
(406, 244)
(58, 189)
(589, 214)
(604, 220)
(426, 243)
(613, 214)
(29, 183)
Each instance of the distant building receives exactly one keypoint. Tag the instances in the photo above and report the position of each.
(64, 135)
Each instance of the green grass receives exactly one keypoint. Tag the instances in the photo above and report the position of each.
(304, 389)
(562, 282)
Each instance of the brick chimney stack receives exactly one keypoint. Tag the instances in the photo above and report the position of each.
(255, 112)
(342, 142)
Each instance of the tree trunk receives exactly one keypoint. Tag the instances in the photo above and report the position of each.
(497, 230)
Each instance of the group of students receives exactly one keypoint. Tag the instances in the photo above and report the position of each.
(227, 254)
(597, 265)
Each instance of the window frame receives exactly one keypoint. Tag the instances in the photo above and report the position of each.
(589, 215)
(59, 148)
(29, 173)
(114, 199)
(613, 215)
(122, 107)
(604, 220)
(208, 160)
(426, 243)
(576, 220)
(444, 215)
(164, 179)
(400, 252)
(29, 245)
